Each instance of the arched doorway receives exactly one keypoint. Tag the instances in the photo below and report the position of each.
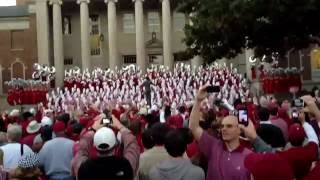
(18, 69)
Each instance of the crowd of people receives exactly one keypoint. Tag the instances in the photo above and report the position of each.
(183, 124)
(130, 85)
(31, 91)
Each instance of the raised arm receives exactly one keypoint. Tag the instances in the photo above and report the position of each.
(131, 149)
(85, 144)
(258, 144)
(311, 104)
(195, 114)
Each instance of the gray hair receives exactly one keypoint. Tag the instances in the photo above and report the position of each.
(14, 133)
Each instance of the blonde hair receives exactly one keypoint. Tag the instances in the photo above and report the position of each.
(25, 173)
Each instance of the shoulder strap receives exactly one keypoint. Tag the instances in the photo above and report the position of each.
(21, 149)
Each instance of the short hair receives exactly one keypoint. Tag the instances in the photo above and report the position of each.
(187, 133)
(135, 127)
(273, 111)
(77, 128)
(175, 143)
(182, 109)
(14, 132)
(263, 114)
(124, 120)
(167, 111)
(147, 140)
(159, 131)
(46, 133)
(152, 119)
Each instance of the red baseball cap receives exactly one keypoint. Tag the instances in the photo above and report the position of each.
(296, 134)
(59, 126)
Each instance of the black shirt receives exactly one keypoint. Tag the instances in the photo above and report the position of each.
(105, 168)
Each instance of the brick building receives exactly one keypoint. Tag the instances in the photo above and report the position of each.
(18, 42)
(105, 34)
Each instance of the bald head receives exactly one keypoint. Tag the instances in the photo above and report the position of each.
(233, 120)
(14, 133)
(230, 129)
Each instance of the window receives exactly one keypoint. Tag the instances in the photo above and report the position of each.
(179, 20)
(130, 59)
(66, 25)
(128, 23)
(153, 22)
(315, 58)
(95, 42)
(68, 61)
(17, 39)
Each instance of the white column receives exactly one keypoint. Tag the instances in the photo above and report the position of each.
(58, 41)
(112, 34)
(140, 43)
(166, 29)
(42, 31)
(85, 36)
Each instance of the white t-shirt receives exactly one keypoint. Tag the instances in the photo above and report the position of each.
(12, 155)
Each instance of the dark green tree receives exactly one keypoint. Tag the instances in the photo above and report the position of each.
(224, 28)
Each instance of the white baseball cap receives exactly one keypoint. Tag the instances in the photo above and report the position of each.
(14, 113)
(104, 136)
(46, 121)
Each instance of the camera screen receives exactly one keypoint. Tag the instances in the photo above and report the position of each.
(298, 103)
(106, 121)
(243, 116)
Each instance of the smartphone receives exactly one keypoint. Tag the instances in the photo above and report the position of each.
(213, 89)
(106, 121)
(243, 117)
(295, 114)
(298, 103)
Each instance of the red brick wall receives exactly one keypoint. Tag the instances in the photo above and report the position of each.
(27, 40)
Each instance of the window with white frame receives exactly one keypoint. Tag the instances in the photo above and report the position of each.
(179, 21)
(153, 22)
(95, 32)
(128, 23)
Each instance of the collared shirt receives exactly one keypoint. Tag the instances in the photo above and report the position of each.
(12, 154)
(223, 164)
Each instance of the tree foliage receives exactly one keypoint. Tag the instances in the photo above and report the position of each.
(223, 28)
